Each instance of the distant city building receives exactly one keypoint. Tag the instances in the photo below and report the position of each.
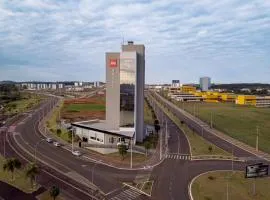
(205, 83)
(175, 83)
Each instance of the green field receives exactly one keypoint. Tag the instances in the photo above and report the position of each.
(213, 185)
(239, 122)
(20, 181)
(199, 146)
(85, 107)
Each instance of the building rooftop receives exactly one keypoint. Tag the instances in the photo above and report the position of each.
(102, 126)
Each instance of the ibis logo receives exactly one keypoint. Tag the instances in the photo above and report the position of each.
(113, 63)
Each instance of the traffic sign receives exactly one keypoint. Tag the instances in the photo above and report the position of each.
(256, 170)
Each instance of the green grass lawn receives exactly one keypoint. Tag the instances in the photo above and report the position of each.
(136, 157)
(237, 121)
(20, 181)
(148, 117)
(199, 146)
(213, 185)
(85, 107)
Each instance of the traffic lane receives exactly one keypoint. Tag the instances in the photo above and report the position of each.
(170, 180)
(206, 134)
(68, 163)
(177, 141)
(51, 154)
(48, 177)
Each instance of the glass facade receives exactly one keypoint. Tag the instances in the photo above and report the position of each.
(127, 91)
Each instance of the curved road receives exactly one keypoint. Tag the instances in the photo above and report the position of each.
(171, 177)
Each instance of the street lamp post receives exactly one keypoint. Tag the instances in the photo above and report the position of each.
(257, 139)
(160, 153)
(211, 119)
(72, 145)
(131, 153)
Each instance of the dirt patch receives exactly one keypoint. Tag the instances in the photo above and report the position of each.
(83, 115)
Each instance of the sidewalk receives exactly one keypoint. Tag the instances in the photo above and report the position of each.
(217, 133)
(153, 159)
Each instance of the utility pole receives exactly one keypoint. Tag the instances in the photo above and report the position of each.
(160, 153)
(227, 190)
(254, 186)
(257, 139)
(202, 131)
(131, 154)
(72, 139)
(232, 159)
(211, 123)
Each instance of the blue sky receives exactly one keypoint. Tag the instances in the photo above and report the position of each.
(228, 40)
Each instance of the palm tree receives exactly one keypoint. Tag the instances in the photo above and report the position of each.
(147, 146)
(10, 165)
(31, 172)
(54, 192)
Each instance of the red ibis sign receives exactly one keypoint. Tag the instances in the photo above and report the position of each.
(113, 63)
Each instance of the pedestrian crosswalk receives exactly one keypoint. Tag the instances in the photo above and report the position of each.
(128, 194)
(178, 156)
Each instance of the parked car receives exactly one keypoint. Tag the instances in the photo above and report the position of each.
(76, 153)
(57, 144)
(49, 140)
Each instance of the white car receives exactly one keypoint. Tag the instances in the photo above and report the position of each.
(57, 144)
(49, 140)
(76, 153)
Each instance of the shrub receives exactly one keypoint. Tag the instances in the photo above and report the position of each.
(211, 178)
(58, 132)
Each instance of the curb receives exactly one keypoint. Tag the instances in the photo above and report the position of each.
(102, 163)
(8, 140)
(193, 179)
(228, 139)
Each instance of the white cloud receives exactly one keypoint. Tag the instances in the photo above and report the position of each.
(77, 33)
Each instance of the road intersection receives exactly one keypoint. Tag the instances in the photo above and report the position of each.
(74, 175)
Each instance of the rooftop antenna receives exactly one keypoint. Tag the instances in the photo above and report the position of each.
(123, 40)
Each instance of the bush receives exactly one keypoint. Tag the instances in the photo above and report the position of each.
(211, 178)
(76, 138)
(58, 132)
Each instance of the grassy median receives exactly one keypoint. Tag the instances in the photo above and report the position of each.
(199, 146)
(52, 124)
(213, 185)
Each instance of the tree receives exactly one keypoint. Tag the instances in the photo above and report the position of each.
(31, 172)
(54, 192)
(210, 149)
(58, 132)
(12, 164)
(147, 146)
(122, 150)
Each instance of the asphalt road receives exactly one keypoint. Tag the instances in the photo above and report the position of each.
(171, 177)
(174, 175)
(25, 137)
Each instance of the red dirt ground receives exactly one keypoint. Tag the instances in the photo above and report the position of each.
(83, 115)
